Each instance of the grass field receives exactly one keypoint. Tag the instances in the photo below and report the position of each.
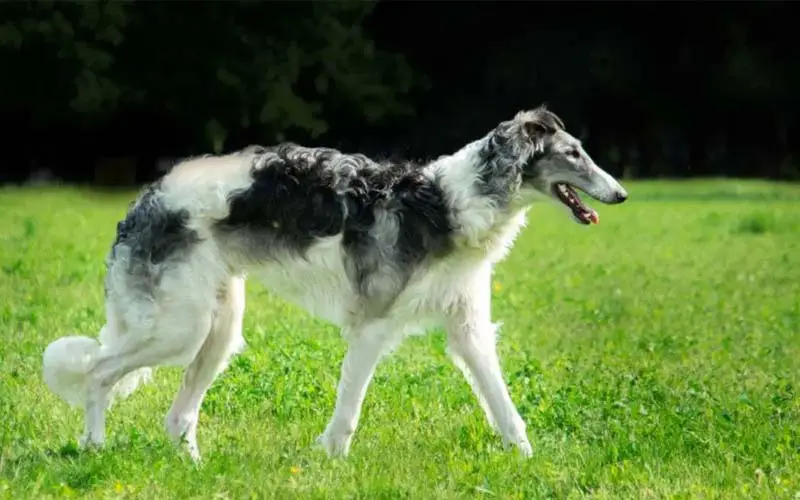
(656, 355)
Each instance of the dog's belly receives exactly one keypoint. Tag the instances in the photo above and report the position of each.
(317, 283)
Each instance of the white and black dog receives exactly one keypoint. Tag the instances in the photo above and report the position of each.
(382, 250)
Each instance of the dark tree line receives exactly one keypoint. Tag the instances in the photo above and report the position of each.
(657, 89)
(670, 89)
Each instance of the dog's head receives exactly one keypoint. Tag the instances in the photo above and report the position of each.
(554, 163)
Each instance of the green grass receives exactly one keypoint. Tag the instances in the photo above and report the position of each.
(656, 355)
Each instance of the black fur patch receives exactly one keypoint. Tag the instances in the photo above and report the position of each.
(290, 202)
(390, 216)
(404, 196)
(151, 231)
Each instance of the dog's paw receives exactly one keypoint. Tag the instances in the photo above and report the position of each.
(335, 445)
(523, 445)
(182, 430)
(179, 425)
(90, 441)
(525, 449)
(193, 450)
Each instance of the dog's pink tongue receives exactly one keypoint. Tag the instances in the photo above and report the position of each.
(594, 217)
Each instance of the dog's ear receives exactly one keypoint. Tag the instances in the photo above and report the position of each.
(539, 123)
(535, 130)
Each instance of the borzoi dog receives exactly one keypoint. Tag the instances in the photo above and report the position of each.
(382, 250)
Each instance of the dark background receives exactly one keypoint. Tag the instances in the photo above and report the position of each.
(110, 92)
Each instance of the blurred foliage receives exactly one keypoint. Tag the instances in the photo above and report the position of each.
(59, 56)
(273, 67)
(691, 92)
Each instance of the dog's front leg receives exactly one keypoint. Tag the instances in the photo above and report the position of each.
(365, 349)
(471, 338)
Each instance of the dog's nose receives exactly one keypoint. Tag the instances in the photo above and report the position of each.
(621, 196)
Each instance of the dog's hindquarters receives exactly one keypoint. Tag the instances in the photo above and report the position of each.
(160, 315)
(161, 293)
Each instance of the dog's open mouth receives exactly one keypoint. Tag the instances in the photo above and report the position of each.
(570, 198)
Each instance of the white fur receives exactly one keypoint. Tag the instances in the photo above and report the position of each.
(190, 324)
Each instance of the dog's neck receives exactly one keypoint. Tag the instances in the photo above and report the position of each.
(483, 192)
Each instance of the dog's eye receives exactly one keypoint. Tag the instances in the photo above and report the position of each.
(574, 154)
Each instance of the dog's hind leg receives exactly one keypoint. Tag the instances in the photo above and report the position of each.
(166, 327)
(471, 339)
(163, 346)
(366, 347)
(108, 369)
(223, 341)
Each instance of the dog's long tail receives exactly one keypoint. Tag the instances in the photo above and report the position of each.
(68, 361)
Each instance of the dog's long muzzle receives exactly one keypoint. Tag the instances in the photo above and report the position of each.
(604, 188)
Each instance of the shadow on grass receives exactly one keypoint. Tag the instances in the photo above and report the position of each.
(68, 470)
(61, 468)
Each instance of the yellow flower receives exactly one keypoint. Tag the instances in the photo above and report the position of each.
(497, 286)
(118, 487)
(294, 469)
